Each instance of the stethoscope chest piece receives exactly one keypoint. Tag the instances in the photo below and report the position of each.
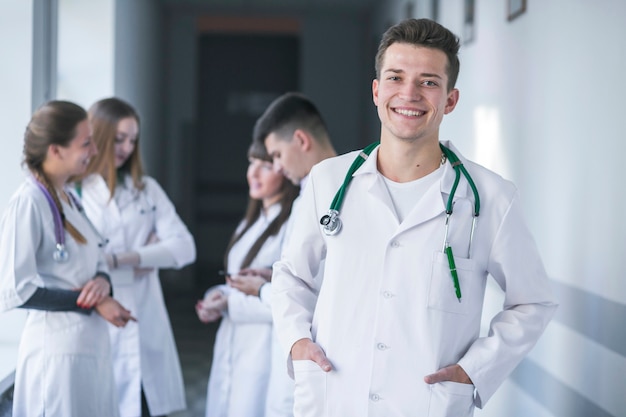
(60, 253)
(331, 223)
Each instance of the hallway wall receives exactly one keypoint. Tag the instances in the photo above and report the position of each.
(16, 37)
(541, 102)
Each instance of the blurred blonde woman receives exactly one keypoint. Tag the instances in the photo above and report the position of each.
(144, 234)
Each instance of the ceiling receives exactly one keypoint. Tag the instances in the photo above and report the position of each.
(284, 6)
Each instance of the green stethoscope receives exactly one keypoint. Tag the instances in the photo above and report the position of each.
(331, 223)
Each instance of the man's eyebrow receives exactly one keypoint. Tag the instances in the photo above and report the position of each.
(424, 74)
(427, 74)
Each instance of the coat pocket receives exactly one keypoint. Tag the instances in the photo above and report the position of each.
(310, 389)
(442, 294)
(451, 399)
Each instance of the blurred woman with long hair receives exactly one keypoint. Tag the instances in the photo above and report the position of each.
(145, 235)
(242, 354)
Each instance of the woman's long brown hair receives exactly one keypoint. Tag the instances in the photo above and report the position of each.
(289, 192)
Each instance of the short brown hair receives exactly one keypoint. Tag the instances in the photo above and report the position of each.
(426, 33)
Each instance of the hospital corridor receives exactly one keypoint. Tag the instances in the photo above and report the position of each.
(540, 102)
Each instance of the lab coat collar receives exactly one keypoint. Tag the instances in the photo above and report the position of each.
(272, 212)
(101, 196)
(303, 182)
(432, 204)
(98, 188)
(126, 193)
(447, 181)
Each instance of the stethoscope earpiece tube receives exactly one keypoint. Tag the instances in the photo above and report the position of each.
(331, 223)
(459, 169)
(60, 254)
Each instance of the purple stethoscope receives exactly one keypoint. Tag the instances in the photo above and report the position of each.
(61, 254)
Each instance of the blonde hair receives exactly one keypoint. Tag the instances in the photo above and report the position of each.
(104, 116)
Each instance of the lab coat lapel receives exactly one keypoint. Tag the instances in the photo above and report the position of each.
(102, 198)
(376, 186)
(433, 203)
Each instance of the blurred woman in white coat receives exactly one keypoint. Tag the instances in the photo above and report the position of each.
(52, 266)
(145, 234)
(242, 354)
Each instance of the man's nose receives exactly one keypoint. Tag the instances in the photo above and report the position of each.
(411, 91)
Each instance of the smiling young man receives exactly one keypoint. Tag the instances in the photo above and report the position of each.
(393, 328)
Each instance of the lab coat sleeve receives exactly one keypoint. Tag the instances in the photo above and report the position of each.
(20, 235)
(176, 247)
(515, 264)
(295, 276)
(244, 308)
(265, 294)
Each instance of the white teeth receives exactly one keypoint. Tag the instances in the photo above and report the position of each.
(409, 112)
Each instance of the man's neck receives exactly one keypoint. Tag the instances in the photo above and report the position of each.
(323, 153)
(403, 161)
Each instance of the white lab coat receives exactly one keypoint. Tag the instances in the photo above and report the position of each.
(242, 353)
(386, 313)
(64, 362)
(280, 387)
(144, 352)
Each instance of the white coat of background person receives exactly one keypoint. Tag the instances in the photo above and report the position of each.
(294, 133)
(144, 234)
(52, 266)
(240, 369)
(387, 334)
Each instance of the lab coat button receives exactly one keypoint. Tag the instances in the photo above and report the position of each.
(395, 244)
(387, 294)
(374, 397)
(382, 346)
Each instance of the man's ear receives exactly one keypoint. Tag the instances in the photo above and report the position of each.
(303, 140)
(452, 100)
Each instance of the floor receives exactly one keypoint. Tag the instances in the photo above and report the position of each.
(195, 348)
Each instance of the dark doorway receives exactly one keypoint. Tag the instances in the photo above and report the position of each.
(239, 75)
